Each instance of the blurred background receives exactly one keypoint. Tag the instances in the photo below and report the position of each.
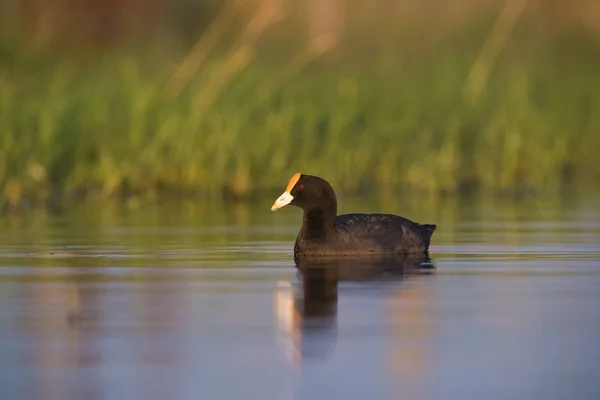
(480, 116)
(227, 98)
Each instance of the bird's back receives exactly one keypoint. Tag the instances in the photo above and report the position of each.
(382, 233)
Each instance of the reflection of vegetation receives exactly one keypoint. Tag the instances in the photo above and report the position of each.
(197, 234)
(385, 110)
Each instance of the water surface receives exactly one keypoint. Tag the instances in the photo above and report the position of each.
(188, 300)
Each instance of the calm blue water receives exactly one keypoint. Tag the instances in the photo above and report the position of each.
(188, 301)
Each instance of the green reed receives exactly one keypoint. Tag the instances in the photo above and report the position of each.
(367, 120)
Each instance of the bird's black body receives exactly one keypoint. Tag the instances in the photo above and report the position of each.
(356, 234)
(323, 232)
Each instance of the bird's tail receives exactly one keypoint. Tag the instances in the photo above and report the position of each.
(427, 232)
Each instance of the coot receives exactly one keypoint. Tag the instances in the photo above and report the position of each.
(324, 232)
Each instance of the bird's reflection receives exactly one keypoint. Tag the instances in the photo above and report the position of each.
(310, 315)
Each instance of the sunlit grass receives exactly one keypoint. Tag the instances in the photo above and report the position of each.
(241, 124)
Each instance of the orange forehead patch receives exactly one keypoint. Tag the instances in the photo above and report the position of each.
(293, 180)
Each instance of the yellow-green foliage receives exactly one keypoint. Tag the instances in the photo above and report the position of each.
(367, 116)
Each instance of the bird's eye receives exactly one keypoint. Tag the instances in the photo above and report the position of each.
(300, 187)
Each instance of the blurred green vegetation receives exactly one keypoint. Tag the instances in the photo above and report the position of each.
(397, 103)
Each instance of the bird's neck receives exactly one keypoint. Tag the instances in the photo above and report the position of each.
(318, 222)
